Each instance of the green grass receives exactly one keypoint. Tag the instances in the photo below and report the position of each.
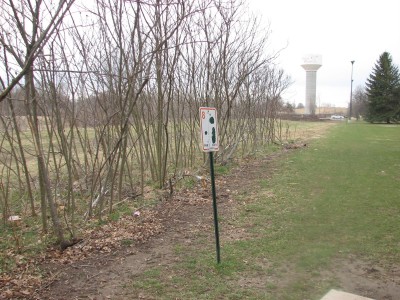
(23, 240)
(221, 170)
(338, 197)
(347, 192)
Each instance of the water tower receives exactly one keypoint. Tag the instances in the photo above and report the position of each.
(311, 63)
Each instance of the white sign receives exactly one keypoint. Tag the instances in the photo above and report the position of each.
(209, 129)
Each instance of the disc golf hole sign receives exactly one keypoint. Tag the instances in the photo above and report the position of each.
(209, 129)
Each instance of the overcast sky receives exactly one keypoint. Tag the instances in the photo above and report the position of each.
(340, 31)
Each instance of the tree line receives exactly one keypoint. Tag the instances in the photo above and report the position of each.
(99, 100)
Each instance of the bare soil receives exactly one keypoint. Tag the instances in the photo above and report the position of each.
(178, 220)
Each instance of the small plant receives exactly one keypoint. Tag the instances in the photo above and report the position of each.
(126, 242)
(189, 182)
(114, 216)
(221, 170)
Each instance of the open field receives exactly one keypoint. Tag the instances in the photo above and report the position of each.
(326, 111)
(294, 224)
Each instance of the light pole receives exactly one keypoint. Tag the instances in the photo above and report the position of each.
(351, 90)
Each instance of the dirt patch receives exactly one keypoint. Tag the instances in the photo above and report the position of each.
(368, 279)
(180, 217)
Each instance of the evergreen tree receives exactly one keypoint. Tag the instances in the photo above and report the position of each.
(383, 89)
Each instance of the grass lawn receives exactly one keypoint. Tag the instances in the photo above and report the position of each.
(335, 199)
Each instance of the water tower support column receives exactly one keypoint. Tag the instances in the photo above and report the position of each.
(311, 65)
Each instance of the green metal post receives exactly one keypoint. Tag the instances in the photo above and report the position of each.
(214, 195)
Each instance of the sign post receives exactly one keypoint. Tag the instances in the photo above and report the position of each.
(209, 139)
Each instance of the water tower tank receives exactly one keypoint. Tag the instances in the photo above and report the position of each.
(311, 63)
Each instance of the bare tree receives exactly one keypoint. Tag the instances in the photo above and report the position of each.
(111, 93)
(360, 102)
(19, 18)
